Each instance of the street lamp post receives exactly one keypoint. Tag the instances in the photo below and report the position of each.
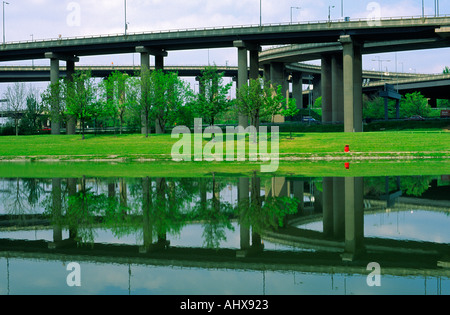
(329, 12)
(4, 37)
(292, 8)
(260, 13)
(126, 24)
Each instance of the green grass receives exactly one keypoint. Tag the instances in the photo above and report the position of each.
(306, 154)
(371, 144)
(235, 169)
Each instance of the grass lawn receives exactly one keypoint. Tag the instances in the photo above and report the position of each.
(306, 154)
(302, 145)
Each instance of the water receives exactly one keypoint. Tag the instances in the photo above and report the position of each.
(224, 235)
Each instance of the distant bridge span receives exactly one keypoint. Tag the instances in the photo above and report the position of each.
(341, 79)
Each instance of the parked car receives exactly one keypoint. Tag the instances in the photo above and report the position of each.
(309, 120)
(416, 118)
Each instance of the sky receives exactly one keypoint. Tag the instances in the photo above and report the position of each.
(45, 19)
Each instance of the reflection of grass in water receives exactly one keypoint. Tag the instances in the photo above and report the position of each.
(172, 169)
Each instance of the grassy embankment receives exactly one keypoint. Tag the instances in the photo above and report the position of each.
(321, 154)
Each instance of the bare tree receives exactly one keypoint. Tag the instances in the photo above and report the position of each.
(16, 96)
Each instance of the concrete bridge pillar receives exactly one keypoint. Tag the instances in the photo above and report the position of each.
(242, 74)
(327, 109)
(337, 88)
(145, 65)
(72, 120)
(352, 74)
(54, 79)
(297, 88)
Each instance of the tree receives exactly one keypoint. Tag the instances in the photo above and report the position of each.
(260, 100)
(212, 99)
(169, 93)
(290, 111)
(81, 97)
(31, 119)
(117, 96)
(16, 96)
(414, 104)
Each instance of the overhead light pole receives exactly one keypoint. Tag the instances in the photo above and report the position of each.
(329, 12)
(4, 37)
(126, 23)
(260, 13)
(292, 8)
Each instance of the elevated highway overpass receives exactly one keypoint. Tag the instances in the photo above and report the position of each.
(343, 42)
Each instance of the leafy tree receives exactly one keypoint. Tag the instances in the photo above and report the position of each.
(168, 94)
(16, 97)
(117, 97)
(31, 120)
(212, 99)
(414, 104)
(260, 100)
(81, 97)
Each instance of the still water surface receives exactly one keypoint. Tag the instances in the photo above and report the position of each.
(219, 235)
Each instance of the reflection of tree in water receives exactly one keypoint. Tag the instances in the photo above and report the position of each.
(410, 185)
(152, 208)
(22, 196)
(265, 213)
(214, 213)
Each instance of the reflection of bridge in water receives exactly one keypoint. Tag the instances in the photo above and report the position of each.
(340, 248)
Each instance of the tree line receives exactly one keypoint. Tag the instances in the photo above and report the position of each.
(153, 101)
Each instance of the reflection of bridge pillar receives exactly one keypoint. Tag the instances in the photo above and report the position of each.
(299, 190)
(354, 218)
(242, 74)
(338, 207)
(327, 187)
(278, 78)
(72, 191)
(56, 209)
(337, 88)
(326, 89)
(352, 63)
(297, 89)
(243, 197)
(147, 226)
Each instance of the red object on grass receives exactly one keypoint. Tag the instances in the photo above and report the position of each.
(347, 148)
(347, 166)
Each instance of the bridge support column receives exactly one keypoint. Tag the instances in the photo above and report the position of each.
(54, 79)
(337, 88)
(71, 120)
(354, 218)
(145, 65)
(352, 61)
(242, 74)
(326, 89)
(297, 88)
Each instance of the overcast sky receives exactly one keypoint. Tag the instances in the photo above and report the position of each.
(44, 19)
